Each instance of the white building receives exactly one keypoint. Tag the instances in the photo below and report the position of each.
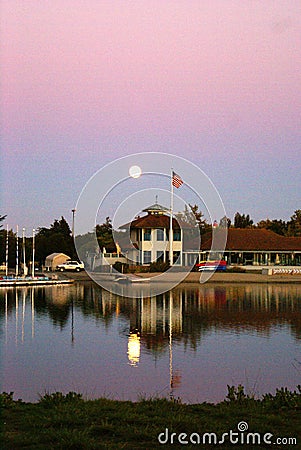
(149, 235)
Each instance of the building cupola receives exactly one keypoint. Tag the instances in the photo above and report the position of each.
(156, 209)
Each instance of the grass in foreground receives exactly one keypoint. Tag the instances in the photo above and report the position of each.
(65, 422)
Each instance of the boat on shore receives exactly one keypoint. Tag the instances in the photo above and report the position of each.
(127, 280)
(211, 265)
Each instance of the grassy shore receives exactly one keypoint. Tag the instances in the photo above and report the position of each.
(68, 421)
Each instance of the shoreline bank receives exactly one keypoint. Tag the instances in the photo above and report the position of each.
(217, 277)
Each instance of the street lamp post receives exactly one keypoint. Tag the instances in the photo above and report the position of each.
(33, 253)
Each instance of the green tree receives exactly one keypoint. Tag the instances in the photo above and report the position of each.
(1, 220)
(12, 248)
(199, 217)
(294, 225)
(104, 235)
(56, 239)
(61, 226)
(242, 221)
(275, 225)
(2, 240)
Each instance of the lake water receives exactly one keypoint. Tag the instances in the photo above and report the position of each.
(188, 343)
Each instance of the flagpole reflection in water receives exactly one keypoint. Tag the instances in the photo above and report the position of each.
(32, 312)
(171, 393)
(24, 292)
(175, 324)
(72, 322)
(16, 317)
(6, 316)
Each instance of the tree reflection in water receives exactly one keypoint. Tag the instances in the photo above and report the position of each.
(196, 310)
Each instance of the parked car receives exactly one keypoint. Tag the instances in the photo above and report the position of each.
(71, 265)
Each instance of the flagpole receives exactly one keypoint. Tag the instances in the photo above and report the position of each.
(170, 221)
(33, 253)
(17, 252)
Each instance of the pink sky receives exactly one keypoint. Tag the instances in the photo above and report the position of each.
(216, 81)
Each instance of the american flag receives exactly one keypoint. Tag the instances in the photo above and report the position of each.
(176, 180)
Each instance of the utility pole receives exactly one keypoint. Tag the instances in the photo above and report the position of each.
(33, 253)
(73, 214)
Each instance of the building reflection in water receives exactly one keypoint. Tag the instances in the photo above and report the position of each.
(134, 348)
(186, 313)
(155, 320)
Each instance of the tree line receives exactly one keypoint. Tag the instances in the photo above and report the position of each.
(58, 237)
(291, 228)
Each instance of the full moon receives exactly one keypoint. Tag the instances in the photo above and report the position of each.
(135, 171)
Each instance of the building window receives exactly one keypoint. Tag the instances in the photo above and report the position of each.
(160, 234)
(147, 235)
(176, 258)
(139, 257)
(176, 235)
(147, 257)
(160, 256)
(191, 258)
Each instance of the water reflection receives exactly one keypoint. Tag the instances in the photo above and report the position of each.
(134, 348)
(180, 321)
(194, 310)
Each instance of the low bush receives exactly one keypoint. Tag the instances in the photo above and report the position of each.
(283, 399)
(7, 400)
(121, 267)
(159, 266)
(235, 269)
(57, 398)
(138, 269)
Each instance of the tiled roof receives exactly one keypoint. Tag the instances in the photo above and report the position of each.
(152, 221)
(252, 239)
(157, 221)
